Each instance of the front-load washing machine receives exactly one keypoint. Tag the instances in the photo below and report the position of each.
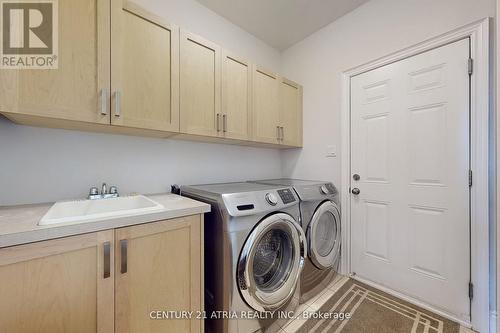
(255, 251)
(320, 220)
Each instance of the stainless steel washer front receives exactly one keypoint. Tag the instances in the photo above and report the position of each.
(323, 236)
(271, 261)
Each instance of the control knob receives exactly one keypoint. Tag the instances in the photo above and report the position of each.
(271, 199)
(324, 189)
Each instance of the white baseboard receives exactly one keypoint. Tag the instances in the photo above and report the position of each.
(494, 323)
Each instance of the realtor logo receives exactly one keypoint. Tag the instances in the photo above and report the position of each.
(29, 34)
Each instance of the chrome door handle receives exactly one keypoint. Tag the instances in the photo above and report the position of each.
(218, 122)
(224, 123)
(104, 102)
(107, 260)
(117, 104)
(123, 256)
(355, 191)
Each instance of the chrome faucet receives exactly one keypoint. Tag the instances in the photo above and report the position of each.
(94, 192)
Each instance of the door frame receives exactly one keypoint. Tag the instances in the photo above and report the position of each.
(478, 32)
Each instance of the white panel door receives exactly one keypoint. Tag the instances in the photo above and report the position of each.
(410, 147)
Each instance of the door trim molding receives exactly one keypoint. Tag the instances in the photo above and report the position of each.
(478, 32)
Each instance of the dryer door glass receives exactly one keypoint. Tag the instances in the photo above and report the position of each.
(323, 235)
(270, 262)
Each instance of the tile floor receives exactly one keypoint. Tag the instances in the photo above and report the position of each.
(316, 303)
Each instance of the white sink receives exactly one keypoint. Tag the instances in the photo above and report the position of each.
(93, 210)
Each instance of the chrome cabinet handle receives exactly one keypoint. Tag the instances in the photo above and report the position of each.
(104, 102)
(107, 260)
(282, 133)
(224, 123)
(278, 133)
(117, 104)
(218, 122)
(123, 256)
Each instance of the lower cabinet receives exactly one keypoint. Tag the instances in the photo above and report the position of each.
(105, 282)
(57, 286)
(159, 268)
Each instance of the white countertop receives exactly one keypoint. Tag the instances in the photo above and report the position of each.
(19, 224)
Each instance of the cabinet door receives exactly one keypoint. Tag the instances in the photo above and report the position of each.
(144, 69)
(58, 286)
(159, 267)
(291, 113)
(265, 106)
(73, 90)
(236, 97)
(200, 89)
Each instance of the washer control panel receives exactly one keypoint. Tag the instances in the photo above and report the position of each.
(287, 196)
(271, 199)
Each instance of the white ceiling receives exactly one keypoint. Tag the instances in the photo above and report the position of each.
(281, 23)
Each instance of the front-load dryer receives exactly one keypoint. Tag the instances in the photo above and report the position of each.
(255, 251)
(320, 220)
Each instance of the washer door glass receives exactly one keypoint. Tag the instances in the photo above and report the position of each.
(323, 235)
(270, 262)
(273, 259)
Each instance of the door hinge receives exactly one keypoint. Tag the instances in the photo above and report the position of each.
(471, 290)
(470, 178)
(470, 66)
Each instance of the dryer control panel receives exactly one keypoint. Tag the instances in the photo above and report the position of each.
(286, 195)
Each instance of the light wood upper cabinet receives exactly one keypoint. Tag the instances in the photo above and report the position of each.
(235, 120)
(291, 113)
(144, 69)
(58, 286)
(159, 266)
(200, 76)
(266, 106)
(125, 70)
(277, 109)
(72, 91)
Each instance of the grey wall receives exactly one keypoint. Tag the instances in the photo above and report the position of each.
(42, 165)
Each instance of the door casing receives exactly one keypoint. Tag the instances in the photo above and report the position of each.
(478, 32)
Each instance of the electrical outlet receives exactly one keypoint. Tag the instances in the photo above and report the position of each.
(331, 151)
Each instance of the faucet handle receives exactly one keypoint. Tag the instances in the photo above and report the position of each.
(94, 191)
(113, 190)
(104, 189)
